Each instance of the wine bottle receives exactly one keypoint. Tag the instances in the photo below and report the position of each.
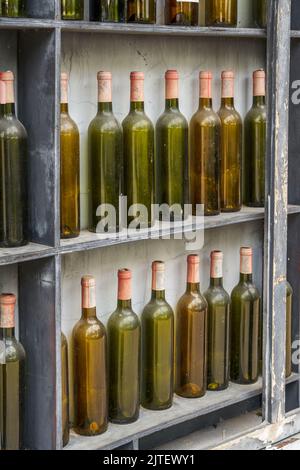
(90, 366)
(205, 152)
(13, 173)
(138, 157)
(12, 378)
(112, 11)
(141, 11)
(72, 9)
(157, 345)
(231, 148)
(105, 159)
(191, 337)
(245, 325)
(218, 326)
(184, 13)
(260, 13)
(171, 154)
(69, 168)
(221, 13)
(13, 8)
(65, 389)
(289, 302)
(124, 338)
(255, 145)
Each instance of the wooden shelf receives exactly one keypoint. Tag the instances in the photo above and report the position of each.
(24, 253)
(27, 23)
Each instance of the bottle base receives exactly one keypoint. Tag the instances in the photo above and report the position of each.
(218, 388)
(150, 407)
(244, 382)
(14, 245)
(88, 433)
(123, 421)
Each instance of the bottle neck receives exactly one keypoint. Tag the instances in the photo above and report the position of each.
(104, 107)
(172, 104)
(10, 109)
(137, 106)
(158, 294)
(89, 313)
(64, 108)
(216, 282)
(124, 304)
(227, 103)
(6, 333)
(205, 103)
(193, 288)
(259, 101)
(245, 278)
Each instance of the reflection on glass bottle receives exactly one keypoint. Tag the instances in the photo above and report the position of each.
(110, 11)
(141, 11)
(183, 13)
(72, 9)
(13, 8)
(260, 13)
(221, 13)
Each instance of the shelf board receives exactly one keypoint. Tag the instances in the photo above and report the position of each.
(90, 241)
(24, 253)
(26, 23)
(183, 410)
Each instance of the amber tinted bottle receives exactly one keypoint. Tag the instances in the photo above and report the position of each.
(90, 367)
(184, 13)
(141, 11)
(231, 148)
(221, 13)
(157, 345)
(191, 337)
(124, 337)
(205, 152)
(65, 389)
(69, 168)
(218, 326)
(13, 8)
(289, 305)
(245, 325)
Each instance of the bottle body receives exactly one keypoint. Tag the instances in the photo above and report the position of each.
(230, 148)
(260, 13)
(157, 324)
(141, 11)
(191, 338)
(245, 326)
(182, 13)
(105, 160)
(171, 181)
(255, 146)
(204, 164)
(221, 13)
(90, 368)
(69, 169)
(65, 389)
(12, 379)
(218, 328)
(13, 173)
(72, 9)
(13, 8)
(289, 305)
(138, 158)
(111, 11)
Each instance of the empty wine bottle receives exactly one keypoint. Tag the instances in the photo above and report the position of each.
(12, 378)
(124, 341)
(191, 337)
(221, 13)
(112, 11)
(72, 9)
(157, 346)
(218, 326)
(69, 168)
(90, 366)
(255, 144)
(184, 13)
(245, 325)
(231, 148)
(205, 152)
(13, 8)
(260, 13)
(105, 160)
(289, 302)
(138, 157)
(65, 390)
(141, 11)
(13, 172)
(171, 154)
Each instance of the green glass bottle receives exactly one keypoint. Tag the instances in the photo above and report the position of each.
(260, 13)
(191, 337)
(255, 145)
(72, 9)
(141, 11)
(289, 305)
(218, 327)
(204, 161)
(221, 13)
(69, 168)
(183, 13)
(13, 8)
(90, 367)
(138, 158)
(110, 11)
(13, 173)
(124, 342)
(65, 389)
(157, 346)
(105, 160)
(231, 148)
(12, 378)
(245, 325)
(171, 182)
